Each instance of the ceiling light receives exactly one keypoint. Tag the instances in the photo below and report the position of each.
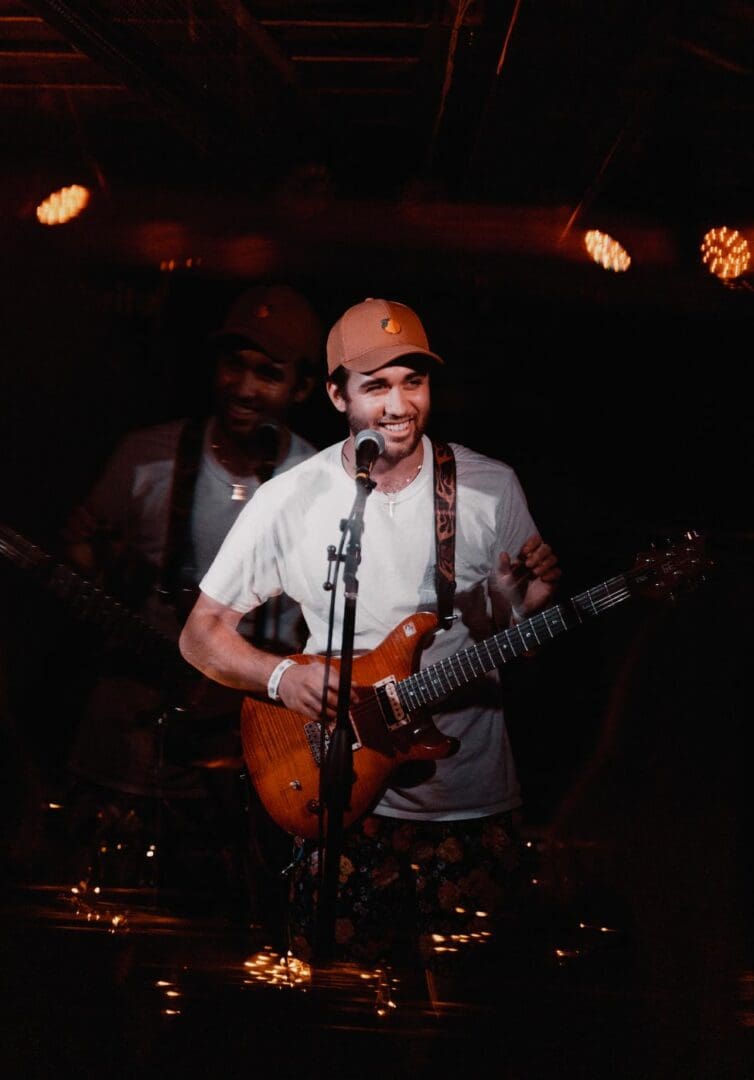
(606, 251)
(725, 252)
(62, 205)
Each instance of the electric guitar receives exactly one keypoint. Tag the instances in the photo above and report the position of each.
(391, 719)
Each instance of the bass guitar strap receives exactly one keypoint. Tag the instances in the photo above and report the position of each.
(445, 529)
(188, 456)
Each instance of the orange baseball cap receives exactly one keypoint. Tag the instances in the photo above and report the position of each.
(371, 334)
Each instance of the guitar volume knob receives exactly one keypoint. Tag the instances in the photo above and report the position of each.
(295, 785)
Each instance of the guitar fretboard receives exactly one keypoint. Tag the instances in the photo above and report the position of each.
(430, 685)
(122, 628)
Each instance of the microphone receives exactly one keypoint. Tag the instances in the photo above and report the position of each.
(368, 445)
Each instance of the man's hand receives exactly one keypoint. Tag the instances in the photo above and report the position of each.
(301, 690)
(526, 583)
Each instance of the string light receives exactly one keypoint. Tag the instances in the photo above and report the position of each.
(725, 252)
(606, 251)
(62, 205)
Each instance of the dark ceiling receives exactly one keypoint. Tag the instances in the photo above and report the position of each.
(450, 152)
(493, 130)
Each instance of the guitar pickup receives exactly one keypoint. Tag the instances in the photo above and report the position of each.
(393, 713)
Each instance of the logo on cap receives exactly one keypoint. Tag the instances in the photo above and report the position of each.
(391, 325)
(262, 311)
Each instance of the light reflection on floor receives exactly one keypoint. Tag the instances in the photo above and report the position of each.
(125, 982)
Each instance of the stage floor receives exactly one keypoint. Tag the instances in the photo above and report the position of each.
(131, 983)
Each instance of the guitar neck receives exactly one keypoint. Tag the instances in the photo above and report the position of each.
(432, 684)
(122, 628)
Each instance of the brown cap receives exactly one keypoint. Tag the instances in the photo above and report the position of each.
(275, 319)
(371, 334)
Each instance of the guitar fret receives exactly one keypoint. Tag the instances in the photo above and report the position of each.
(427, 687)
(593, 593)
(466, 670)
(471, 655)
(462, 675)
(490, 658)
(586, 603)
(450, 674)
(434, 676)
(505, 646)
(435, 681)
(406, 695)
(421, 688)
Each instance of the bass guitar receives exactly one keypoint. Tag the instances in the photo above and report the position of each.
(391, 719)
(153, 656)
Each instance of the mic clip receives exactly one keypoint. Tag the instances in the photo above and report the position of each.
(368, 445)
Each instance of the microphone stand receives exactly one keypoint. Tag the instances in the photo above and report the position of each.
(337, 779)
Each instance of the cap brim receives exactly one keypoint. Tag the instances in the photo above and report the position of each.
(230, 337)
(242, 339)
(378, 358)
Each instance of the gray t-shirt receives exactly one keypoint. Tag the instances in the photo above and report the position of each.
(118, 742)
(132, 497)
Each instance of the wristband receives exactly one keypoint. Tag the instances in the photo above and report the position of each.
(274, 680)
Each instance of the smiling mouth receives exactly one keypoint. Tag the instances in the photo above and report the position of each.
(396, 428)
(242, 412)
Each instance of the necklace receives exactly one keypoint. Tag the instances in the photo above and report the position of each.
(392, 492)
(257, 461)
(239, 487)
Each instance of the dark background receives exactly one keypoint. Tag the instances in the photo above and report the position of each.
(626, 427)
(449, 155)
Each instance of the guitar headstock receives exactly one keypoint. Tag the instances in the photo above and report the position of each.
(672, 567)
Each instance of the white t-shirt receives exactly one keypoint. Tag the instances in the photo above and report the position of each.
(280, 543)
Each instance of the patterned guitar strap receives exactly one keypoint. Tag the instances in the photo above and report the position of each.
(445, 530)
(186, 468)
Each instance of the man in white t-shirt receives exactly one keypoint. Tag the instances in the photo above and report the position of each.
(147, 532)
(434, 852)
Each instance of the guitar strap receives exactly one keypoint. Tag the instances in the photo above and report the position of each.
(187, 458)
(445, 529)
(188, 454)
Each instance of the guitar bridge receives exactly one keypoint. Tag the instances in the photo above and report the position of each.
(313, 732)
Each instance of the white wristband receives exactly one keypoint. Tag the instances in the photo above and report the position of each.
(274, 680)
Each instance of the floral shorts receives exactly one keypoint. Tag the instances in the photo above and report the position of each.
(411, 892)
